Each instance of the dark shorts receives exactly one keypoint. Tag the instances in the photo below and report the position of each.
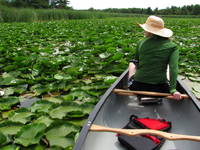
(139, 86)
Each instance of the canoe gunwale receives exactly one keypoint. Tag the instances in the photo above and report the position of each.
(95, 111)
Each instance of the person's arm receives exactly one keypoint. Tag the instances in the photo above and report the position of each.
(173, 69)
(133, 63)
(132, 69)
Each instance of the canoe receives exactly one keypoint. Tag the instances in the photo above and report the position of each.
(113, 110)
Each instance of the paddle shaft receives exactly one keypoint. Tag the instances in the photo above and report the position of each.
(134, 132)
(130, 93)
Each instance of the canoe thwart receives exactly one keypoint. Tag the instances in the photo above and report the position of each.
(134, 132)
(131, 93)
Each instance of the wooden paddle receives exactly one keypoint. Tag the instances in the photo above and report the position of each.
(133, 132)
(131, 93)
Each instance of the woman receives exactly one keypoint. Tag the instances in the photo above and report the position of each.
(153, 55)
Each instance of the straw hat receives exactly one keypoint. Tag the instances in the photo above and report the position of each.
(155, 25)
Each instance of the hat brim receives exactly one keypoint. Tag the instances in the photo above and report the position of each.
(164, 32)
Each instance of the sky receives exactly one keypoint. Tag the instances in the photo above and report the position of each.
(103, 4)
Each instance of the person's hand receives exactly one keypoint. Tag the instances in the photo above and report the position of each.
(130, 82)
(177, 95)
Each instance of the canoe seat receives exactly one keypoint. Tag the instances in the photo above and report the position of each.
(149, 100)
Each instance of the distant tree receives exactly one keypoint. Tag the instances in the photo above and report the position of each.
(19, 3)
(173, 10)
(91, 9)
(149, 11)
(196, 10)
(184, 10)
(28, 3)
(61, 4)
(155, 10)
(39, 3)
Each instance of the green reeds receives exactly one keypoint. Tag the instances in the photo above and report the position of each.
(9, 14)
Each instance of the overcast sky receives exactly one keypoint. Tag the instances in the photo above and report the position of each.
(103, 4)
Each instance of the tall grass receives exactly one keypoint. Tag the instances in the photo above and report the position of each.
(8, 14)
(17, 15)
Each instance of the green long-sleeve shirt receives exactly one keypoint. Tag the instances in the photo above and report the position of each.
(154, 54)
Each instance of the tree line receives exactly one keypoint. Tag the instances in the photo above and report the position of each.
(36, 3)
(173, 10)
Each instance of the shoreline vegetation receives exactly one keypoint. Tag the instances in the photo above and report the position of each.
(11, 14)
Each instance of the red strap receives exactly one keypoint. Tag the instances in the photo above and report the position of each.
(153, 138)
(154, 124)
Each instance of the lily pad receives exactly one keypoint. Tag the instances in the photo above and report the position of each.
(44, 119)
(30, 134)
(21, 115)
(3, 139)
(10, 128)
(7, 102)
(41, 106)
(57, 135)
(70, 110)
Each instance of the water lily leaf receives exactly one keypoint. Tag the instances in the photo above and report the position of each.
(87, 108)
(62, 111)
(70, 110)
(44, 119)
(9, 91)
(5, 114)
(58, 77)
(10, 128)
(38, 89)
(41, 106)
(117, 69)
(53, 100)
(77, 94)
(7, 102)
(10, 147)
(78, 122)
(19, 89)
(104, 55)
(57, 135)
(58, 148)
(117, 56)
(73, 71)
(8, 68)
(33, 147)
(9, 79)
(30, 134)
(21, 115)
(60, 141)
(68, 97)
(87, 81)
(3, 139)
(109, 79)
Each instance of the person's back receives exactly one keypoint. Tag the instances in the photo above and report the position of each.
(153, 56)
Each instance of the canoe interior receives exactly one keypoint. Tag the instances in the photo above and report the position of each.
(116, 110)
